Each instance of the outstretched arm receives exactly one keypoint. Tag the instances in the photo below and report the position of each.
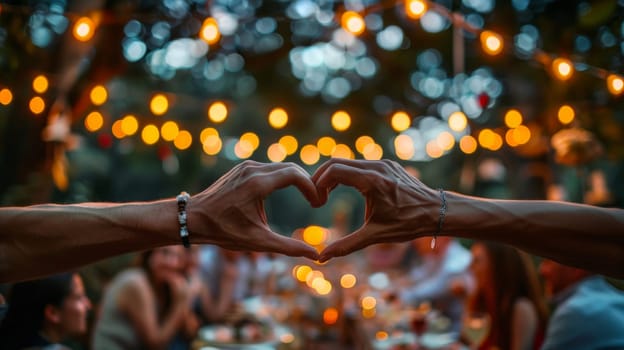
(400, 208)
(45, 239)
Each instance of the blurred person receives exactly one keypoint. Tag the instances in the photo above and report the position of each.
(400, 208)
(45, 312)
(588, 311)
(145, 306)
(508, 290)
(228, 275)
(229, 213)
(442, 278)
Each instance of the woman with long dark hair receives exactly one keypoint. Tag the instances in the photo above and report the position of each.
(508, 290)
(44, 312)
(144, 307)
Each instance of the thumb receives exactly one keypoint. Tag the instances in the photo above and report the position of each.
(293, 247)
(344, 246)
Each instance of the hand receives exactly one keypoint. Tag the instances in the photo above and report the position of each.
(398, 206)
(230, 213)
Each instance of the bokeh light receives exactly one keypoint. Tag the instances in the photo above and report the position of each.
(326, 145)
(309, 154)
(457, 121)
(400, 121)
(348, 280)
(276, 153)
(615, 84)
(40, 84)
(84, 29)
(169, 130)
(278, 118)
(565, 114)
(513, 118)
(129, 125)
(94, 121)
(290, 144)
(341, 120)
(212, 144)
(150, 134)
(491, 42)
(217, 112)
(372, 151)
(362, 141)
(6, 96)
(159, 104)
(562, 68)
(37, 105)
(415, 8)
(353, 22)
(330, 316)
(468, 144)
(209, 31)
(98, 95)
(183, 140)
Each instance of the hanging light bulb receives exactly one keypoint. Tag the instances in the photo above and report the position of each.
(563, 68)
(615, 84)
(353, 23)
(415, 8)
(209, 31)
(84, 29)
(491, 42)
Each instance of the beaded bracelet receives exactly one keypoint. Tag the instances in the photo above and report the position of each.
(441, 218)
(183, 199)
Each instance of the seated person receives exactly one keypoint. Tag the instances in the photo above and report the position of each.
(145, 306)
(589, 311)
(442, 278)
(508, 290)
(45, 312)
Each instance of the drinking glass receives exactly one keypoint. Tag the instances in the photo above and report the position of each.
(475, 328)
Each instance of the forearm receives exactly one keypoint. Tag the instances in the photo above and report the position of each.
(579, 235)
(45, 239)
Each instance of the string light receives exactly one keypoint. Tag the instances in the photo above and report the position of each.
(326, 145)
(159, 104)
(278, 118)
(415, 8)
(40, 84)
(615, 84)
(468, 144)
(562, 68)
(150, 134)
(6, 97)
(290, 144)
(98, 95)
(84, 29)
(209, 31)
(353, 23)
(276, 153)
(169, 130)
(309, 154)
(37, 105)
(183, 140)
(491, 42)
(400, 121)
(513, 118)
(94, 121)
(130, 125)
(341, 121)
(217, 112)
(565, 114)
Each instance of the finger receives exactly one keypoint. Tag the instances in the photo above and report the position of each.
(344, 246)
(290, 246)
(362, 164)
(285, 177)
(338, 173)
